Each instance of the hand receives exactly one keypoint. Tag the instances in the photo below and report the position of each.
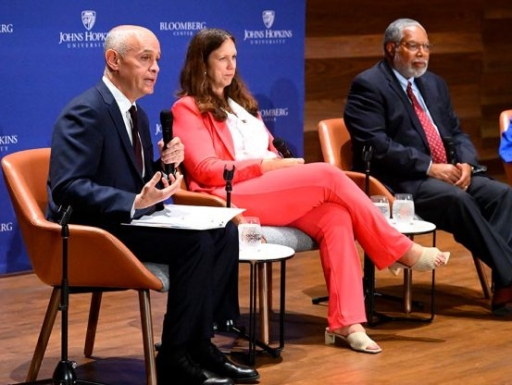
(445, 172)
(151, 195)
(458, 175)
(277, 163)
(465, 178)
(173, 154)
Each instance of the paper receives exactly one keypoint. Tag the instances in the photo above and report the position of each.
(189, 217)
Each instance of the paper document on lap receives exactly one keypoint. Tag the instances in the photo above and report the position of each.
(189, 217)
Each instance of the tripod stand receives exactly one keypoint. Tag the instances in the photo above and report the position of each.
(64, 373)
(274, 352)
(374, 317)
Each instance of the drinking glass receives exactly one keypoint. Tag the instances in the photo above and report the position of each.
(249, 232)
(403, 208)
(382, 204)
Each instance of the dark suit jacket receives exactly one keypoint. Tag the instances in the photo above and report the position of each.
(378, 112)
(92, 165)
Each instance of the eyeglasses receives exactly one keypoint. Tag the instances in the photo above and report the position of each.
(414, 47)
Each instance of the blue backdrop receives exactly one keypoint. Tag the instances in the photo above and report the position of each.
(53, 50)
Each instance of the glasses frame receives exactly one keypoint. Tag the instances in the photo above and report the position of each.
(413, 46)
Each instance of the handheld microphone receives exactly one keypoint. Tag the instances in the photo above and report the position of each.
(283, 149)
(449, 146)
(166, 120)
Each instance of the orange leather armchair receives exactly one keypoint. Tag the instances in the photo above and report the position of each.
(505, 117)
(97, 260)
(336, 147)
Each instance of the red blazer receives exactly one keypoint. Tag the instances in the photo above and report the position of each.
(209, 147)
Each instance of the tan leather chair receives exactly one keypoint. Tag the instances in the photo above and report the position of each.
(97, 260)
(336, 147)
(505, 117)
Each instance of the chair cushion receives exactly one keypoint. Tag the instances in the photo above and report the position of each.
(161, 271)
(288, 236)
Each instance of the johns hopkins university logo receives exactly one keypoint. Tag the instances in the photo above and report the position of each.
(81, 39)
(268, 18)
(88, 19)
(268, 35)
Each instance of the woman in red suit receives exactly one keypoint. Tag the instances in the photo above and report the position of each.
(218, 122)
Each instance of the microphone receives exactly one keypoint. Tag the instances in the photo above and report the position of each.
(449, 146)
(166, 120)
(283, 149)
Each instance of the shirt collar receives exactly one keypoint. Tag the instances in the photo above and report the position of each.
(121, 100)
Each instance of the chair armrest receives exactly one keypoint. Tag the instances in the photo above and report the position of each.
(376, 187)
(186, 197)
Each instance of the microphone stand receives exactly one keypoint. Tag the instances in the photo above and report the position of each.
(369, 268)
(230, 325)
(228, 177)
(64, 373)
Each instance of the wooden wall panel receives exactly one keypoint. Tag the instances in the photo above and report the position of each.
(472, 52)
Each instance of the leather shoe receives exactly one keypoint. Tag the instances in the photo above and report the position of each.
(214, 360)
(502, 302)
(186, 371)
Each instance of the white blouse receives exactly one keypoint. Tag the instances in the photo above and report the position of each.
(249, 134)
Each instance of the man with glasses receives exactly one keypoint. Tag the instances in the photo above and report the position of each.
(404, 113)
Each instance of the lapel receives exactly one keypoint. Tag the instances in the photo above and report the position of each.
(118, 122)
(221, 131)
(406, 102)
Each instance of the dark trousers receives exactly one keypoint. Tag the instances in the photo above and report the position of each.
(480, 219)
(203, 275)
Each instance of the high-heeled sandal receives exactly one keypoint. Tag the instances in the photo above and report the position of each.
(426, 262)
(358, 341)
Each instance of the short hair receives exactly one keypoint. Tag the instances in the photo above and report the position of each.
(394, 31)
(118, 37)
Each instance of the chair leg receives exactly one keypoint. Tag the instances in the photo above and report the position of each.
(147, 336)
(92, 324)
(482, 277)
(407, 291)
(44, 335)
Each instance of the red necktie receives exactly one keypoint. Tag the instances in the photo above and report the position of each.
(435, 143)
(137, 147)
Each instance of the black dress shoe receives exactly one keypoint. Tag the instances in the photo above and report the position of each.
(211, 358)
(186, 371)
(502, 302)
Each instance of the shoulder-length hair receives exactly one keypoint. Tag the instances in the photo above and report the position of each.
(195, 82)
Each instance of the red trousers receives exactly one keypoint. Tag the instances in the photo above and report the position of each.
(322, 201)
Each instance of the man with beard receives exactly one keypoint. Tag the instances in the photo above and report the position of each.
(404, 112)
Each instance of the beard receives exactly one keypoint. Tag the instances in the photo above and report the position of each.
(406, 69)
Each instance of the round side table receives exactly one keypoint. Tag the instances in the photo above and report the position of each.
(266, 253)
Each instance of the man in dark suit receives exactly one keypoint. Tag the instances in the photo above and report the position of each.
(108, 181)
(419, 148)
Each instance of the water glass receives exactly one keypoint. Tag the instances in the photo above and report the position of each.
(382, 204)
(249, 232)
(403, 208)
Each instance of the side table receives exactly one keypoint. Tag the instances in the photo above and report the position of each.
(416, 227)
(266, 253)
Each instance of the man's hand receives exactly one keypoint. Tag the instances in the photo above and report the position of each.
(458, 175)
(151, 195)
(465, 178)
(173, 154)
